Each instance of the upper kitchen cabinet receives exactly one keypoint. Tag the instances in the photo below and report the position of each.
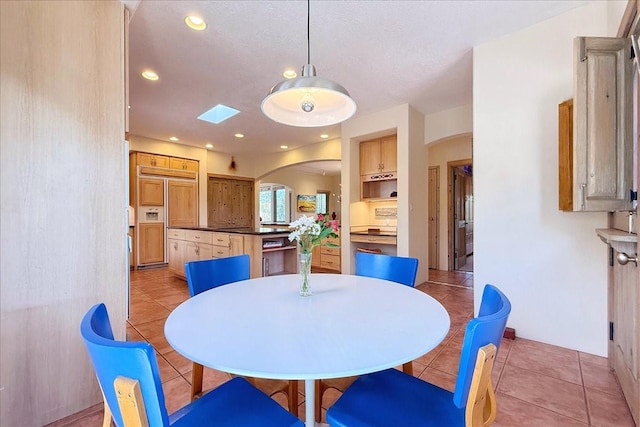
(146, 159)
(379, 155)
(378, 166)
(596, 128)
(183, 164)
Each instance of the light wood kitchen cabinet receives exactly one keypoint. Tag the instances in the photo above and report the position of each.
(151, 192)
(183, 203)
(330, 256)
(151, 243)
(147, 159)
(315, 256)
(183, 164)
(327, 257)
(194, 245)
(176, 253)
(379, 155)
(596, 130)
(236, 244)
(221, 246)
(229, 202)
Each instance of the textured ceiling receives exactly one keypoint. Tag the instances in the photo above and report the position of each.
(385, 53)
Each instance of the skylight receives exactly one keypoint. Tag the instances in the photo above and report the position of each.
(218, 114)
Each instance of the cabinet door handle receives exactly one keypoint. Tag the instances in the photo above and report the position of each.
(197, 250)
(175, 246)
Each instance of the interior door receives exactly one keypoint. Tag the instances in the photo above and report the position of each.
(626, 345)
(459, 219)
(434, 194)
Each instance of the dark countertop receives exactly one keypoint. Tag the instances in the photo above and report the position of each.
(239, 230)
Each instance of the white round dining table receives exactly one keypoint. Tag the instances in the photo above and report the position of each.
(350, 325)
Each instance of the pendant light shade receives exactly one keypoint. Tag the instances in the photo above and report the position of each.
(308, 100)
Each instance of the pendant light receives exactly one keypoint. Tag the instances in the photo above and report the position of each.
(308, 100)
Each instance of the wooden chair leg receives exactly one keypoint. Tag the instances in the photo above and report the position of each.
(292, 393)
(106, 420)
(407, 368)
(318, 404)
(196, 380)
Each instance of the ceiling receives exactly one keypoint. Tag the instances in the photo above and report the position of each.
(385, 53)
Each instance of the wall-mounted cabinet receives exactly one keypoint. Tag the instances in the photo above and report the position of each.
(379, 155)
(378, 166)
(596, 128)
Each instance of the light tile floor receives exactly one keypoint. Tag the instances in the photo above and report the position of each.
(536, 384)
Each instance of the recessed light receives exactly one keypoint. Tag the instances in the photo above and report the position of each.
(150, 75)
(209, 145)
(239, 135)
(173, 138)
(284, 147)
(195, 22)
(324, 136)
(289, 73)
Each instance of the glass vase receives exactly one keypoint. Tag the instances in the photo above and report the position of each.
(304, 259)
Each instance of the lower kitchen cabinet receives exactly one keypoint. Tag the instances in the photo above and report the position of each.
(151, 243)
(176, 252)
(194, 245)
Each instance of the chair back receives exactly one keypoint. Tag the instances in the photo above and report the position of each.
(389, 267)
(211, 273)
(112, 359)
(487, 328)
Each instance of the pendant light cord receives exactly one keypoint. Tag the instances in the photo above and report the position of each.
(308, 41)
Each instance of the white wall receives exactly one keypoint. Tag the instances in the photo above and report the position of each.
(550, 264)
(63, 222)
(439, 154)
(448, 123)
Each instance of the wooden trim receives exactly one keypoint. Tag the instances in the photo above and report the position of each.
(130, 402)
(173, 173)
(450, 166)
(628, 17)
(238, 178)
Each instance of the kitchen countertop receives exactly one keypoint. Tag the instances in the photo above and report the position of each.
(240, 230)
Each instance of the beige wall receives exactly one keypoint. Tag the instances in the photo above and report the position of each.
(62, 218)
(439, 154)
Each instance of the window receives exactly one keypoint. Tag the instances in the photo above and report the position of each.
(322, 202)
(275, 203)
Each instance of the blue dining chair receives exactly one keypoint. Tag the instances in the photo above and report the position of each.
(391, 397)
(398, 269)
(130, 381)
(388, 267)
(208, 274)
